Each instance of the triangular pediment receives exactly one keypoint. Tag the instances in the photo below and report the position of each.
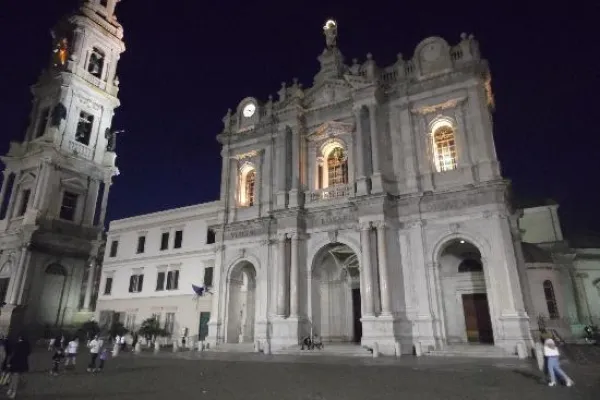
(327, 92)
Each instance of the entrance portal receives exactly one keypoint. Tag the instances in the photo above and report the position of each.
(51, 299)
(335, 295)
(241, 304)
(477, 318)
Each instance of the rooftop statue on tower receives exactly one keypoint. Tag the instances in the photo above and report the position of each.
(330, 31)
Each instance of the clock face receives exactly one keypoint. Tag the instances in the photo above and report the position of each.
(432, 52)
(249, 110)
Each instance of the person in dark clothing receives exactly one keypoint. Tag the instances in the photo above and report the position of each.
(5, 374)
(57, 358)
(18, 364)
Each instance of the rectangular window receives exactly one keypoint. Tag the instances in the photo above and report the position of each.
(210, 236)
(173, 280)
(136, 283)
(42, 122)
(108, 286)
(208, 276)
(178, 239)
(130, 322)
(141, 245)
(114, 248)
(160, 281)
(24, 202)
(169, 322)
(68, 206)
(164, 241)
(83, 134)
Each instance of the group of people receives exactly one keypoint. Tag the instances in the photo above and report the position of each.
(15, 362)
(68, 353)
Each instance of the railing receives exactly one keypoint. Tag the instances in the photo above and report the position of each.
(332, 192)
(80, 150)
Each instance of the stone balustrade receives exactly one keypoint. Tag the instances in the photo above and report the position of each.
(80, 150)
(329, 193)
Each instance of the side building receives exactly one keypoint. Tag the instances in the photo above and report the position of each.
(150, 264)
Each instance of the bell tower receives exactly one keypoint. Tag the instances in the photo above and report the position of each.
(56, 181)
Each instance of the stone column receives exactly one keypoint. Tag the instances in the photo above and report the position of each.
(87, 300)
(281, 276)
(91, 202)
(6, 174)
(294, 277)
(361, 180)
(294, 191)
(13, 195)
(376, 179)
(383, 269)
(104, 202)
(366, 271)
(19, 274)
(39, 185)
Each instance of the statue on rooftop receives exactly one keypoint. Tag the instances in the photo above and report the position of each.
(330, 31)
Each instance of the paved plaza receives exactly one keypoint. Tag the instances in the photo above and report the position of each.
(251, 376)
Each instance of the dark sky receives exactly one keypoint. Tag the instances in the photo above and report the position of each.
(188, 61)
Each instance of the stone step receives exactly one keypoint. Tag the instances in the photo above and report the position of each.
(233, 348)
(328, 350)
(474, 351)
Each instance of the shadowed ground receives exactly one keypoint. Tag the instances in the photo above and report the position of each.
(252, 376)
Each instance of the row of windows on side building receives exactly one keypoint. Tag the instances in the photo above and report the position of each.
(164, 242)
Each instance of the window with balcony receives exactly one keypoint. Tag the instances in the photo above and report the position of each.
(332, 168)
(83, 134)
(96, 62)
(42, 122)
(444, 147)
(68, 206)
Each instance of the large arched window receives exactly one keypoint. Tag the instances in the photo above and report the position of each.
(247, 188)
(550, 299)
(334, 169)
(444, 147)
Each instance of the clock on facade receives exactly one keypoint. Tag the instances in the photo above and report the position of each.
(249, 110)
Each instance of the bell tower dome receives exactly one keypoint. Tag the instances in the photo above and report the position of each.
(56, 181)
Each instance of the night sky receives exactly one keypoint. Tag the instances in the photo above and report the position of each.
(187, 63)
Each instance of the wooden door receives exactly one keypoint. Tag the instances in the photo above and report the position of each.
(477, 318)
(203, 328)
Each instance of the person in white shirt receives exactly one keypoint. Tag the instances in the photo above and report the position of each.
(72, 347)
(94, 345)
(552, 357)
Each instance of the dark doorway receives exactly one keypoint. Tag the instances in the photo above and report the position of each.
(203, 329)
(477, 318)
(356, 314)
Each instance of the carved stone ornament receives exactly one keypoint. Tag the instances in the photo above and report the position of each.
(333, 235)
(453, 103)
(88, 103)
(454, 228)
(245, 229)
(332, 129)
(245, 156)
(338, 218)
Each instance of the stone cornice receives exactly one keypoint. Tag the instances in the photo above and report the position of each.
(208, 252)
(448, 104)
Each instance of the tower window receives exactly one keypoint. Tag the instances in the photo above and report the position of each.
(444, 148)
(84, 128)
(25, 195)
(250, 187)
(550, 299)
(68, 206)
(247, 186)
(96, 63)
(42, 122)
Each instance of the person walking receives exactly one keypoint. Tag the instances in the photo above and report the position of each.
(103, 357)
(59, 355)
(552, 357)
(72, 347)
(94, 345)
(18, 364)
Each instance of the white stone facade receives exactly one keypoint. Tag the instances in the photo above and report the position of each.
(170, 263)
(57, 180)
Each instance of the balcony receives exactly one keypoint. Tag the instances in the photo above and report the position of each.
(80, 150)
(330, 193)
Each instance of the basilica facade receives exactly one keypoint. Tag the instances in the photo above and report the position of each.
(370, 207)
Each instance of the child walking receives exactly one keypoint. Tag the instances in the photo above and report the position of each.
(59, 355)
(551, 353)
(103, 357)
(72, 352)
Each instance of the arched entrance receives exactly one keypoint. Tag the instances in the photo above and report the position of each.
(464, 294)
(335, 306)
(241, 305)
(52, 296)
